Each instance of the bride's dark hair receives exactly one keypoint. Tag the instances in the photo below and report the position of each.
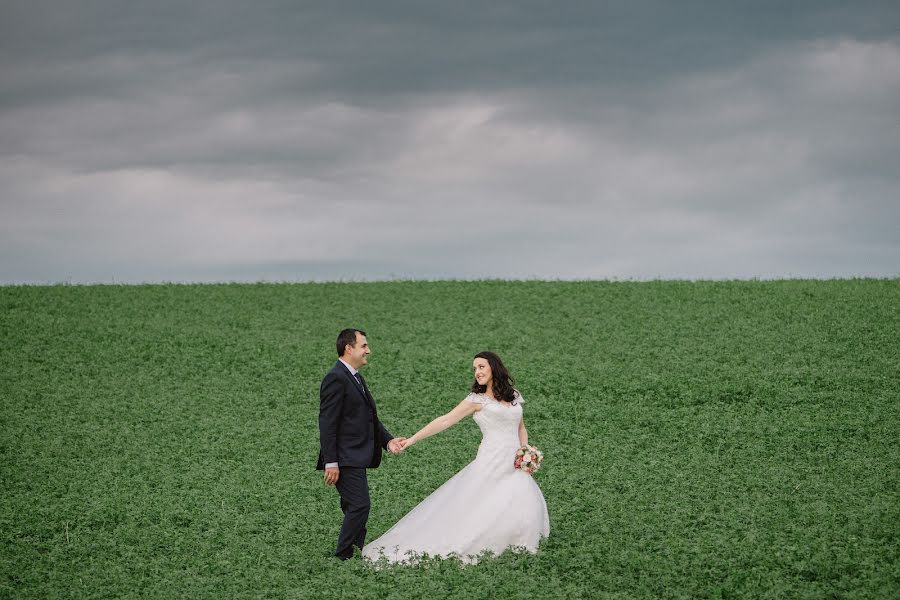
(502, 380)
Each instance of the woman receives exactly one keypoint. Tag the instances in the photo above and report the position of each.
(489, 505)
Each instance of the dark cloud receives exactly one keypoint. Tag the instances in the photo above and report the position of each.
(213, 141)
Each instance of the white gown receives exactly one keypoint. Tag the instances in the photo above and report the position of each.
(488, 505)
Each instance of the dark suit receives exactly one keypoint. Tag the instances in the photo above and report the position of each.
(351, 435)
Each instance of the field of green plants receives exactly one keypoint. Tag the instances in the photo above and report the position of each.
(702, 439)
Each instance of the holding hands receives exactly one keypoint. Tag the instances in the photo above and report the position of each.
(396, 445)
(399, 444)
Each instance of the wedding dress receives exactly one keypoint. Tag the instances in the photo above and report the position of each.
(488, 505)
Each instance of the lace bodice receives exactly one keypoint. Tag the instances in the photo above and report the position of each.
(498, 421)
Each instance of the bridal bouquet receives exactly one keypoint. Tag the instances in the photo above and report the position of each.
(528, 459)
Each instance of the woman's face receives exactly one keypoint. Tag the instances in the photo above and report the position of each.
(482, 371)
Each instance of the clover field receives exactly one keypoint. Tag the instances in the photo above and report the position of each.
(733, 439)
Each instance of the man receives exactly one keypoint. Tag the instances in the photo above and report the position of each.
(351, 437)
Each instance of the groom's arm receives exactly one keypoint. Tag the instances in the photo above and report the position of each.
(386, 436)
(331, 394)
(388, 440)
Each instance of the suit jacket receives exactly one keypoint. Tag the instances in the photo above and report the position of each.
(350, 433)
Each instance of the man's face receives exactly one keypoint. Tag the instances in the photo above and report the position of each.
(358, 354)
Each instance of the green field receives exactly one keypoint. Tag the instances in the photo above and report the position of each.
(702, 439)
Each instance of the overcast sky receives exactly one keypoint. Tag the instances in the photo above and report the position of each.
(292, 141)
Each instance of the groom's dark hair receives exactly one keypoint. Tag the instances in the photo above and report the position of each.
(347, 336)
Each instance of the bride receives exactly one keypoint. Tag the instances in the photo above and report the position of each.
(489, 505)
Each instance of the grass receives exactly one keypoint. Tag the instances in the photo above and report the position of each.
(702, 439)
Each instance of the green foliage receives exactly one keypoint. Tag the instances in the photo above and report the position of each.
(702, 439)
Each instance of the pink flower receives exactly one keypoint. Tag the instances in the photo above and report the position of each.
(528, 459)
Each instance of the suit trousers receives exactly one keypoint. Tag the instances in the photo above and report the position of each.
(353, 486)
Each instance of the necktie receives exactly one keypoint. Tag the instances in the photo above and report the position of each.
(359, 381)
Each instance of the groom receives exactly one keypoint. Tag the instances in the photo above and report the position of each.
(350, 437)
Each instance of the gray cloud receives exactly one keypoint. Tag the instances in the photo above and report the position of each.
(217, 142)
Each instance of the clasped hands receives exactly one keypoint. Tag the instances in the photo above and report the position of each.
(397, 445)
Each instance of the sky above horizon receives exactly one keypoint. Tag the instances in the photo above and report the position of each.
(278, 141)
